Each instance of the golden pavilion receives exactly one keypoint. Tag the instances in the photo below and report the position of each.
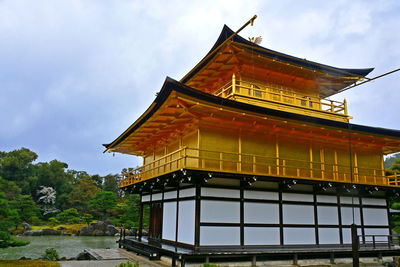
(247, 153)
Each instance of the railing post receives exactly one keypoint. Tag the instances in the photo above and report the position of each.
(284, 168)
(345, 106)
(332, 106)
(184, 157)
(254, 164)
(221, 161)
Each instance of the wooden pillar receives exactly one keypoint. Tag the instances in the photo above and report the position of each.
(197, 216)
(277, 155)
(177, 214)
(198, 147)
(239, 166)
(242, 213)
(356, 176)
(336, 174)
(311, 161)
(140, 218)
(322, 159)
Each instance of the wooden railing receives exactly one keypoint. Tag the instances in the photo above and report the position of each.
(280, 94)
(208, 160)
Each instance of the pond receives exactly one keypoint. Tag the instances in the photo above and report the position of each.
(66, 246)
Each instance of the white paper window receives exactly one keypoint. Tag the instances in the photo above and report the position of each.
(298, 214)
(328, 215)
(298, 236)
(374, 201)
(218, 192)
(188, 192)
(261, 195)
(347, 215)
(220, 211)
(375, 216)
(170, 194)
(169, 221)
(186, 221)
(261, 213)
(297, 197)
(213, 235)
(261, 236)
(326, 199)
(328, 236)
(145, 198)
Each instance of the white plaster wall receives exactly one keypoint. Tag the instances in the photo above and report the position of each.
(261, 212)
(186, 221)
(349, 200)
(297, 197)
(298, 214)
(169, 221)
(347, 216)
(375, 216)
(327, 215)
(219, 211)
(261, 195)
(170, 194)
(157, 196)
(214, 235)
(298, 236)
(374, 201)
(261, 236)
(218, 192)
(326, 199)
(188, 192)
(145, 198)
(329, 236)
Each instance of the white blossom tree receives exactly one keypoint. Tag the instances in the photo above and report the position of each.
(47, 199)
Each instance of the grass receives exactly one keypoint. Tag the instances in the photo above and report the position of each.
(71, 228)
(28, 263)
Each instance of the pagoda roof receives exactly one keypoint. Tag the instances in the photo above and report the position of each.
(330, 79)
(171, 86)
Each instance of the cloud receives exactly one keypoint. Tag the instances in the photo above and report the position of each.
(75, 74)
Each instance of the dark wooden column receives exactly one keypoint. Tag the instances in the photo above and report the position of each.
(197, 216)
(140, 218)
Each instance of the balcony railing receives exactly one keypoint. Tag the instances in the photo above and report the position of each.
(280, 94)
(216, 161)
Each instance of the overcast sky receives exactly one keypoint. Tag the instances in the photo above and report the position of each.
(75, 74)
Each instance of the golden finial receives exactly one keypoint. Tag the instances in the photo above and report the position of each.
(256, 40)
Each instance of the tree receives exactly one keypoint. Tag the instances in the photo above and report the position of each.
(395, 166)
(68, 216)
(111, 183)
(128, 212)
(25, 207)
(83, 191)
(8, 218)
(9, 188)
(87, 218)
(47, 199)
(102, 203)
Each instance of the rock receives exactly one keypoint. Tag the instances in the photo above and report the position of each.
(27, 226)
(49, 231)
(86, 231)
(97, 232)
(63, 259)
(33, 233)
(100, 226)
(24, 258)
(61, 228)
(111, 230)
(83, 256)
(107, 222)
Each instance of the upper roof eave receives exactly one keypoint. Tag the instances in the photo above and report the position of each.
(227, 32)
(173, 85)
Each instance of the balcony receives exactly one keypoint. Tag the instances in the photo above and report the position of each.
(283, 98)
(216, 161)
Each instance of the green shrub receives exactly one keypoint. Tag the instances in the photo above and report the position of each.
(209, 265)
(128, 264)
(51, 254)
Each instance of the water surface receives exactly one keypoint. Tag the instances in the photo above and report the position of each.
(66, 246)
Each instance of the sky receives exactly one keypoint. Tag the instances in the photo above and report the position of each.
(75, 74)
